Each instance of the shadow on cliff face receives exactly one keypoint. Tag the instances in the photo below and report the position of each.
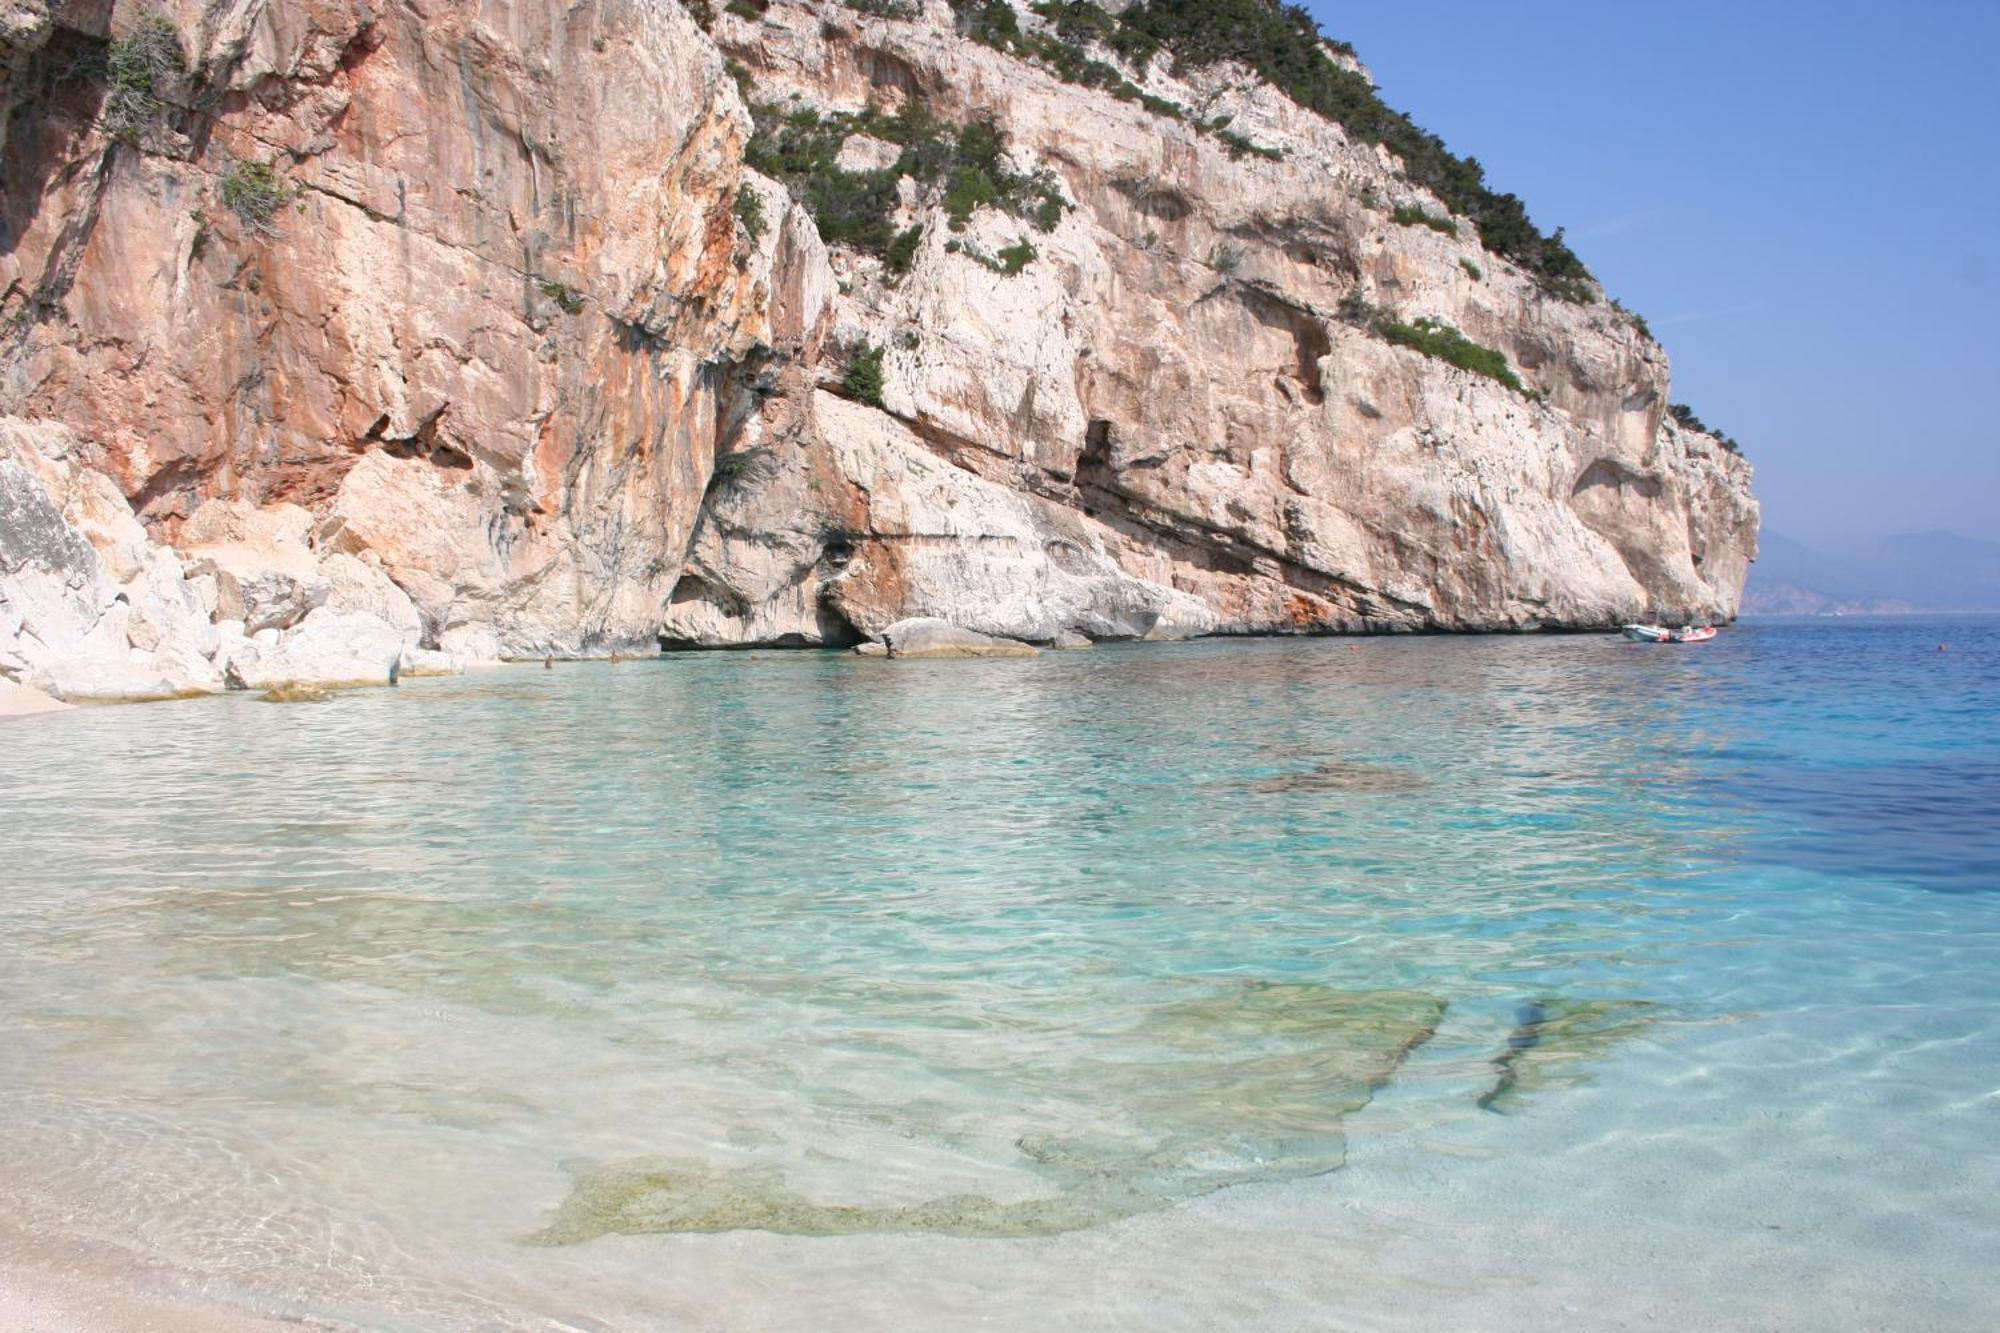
(53, 103)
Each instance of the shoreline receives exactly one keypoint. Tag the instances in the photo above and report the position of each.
(21, 700)
(73, 1285)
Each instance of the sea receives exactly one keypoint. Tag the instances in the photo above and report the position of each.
(1344, 983)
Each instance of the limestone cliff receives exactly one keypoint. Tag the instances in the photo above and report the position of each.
(488, 301)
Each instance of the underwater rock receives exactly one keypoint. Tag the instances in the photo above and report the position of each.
(1552, 1038)
(683, 1198)
(1248, 1084)
(1346, 775)
(294, 694)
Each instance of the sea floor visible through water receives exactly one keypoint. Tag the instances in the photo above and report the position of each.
(1349, 984)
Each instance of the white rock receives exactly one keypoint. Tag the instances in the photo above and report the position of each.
(327, 649)
(424, 662)
(265, 571)
(503, 377)
(356, 587)
(864, 152)
(67, 626)
(929, 637)
(18, 700)
(471, 643)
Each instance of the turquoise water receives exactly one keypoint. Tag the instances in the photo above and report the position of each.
(1325, 983)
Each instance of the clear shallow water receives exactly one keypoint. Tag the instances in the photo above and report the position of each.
(1305, 982)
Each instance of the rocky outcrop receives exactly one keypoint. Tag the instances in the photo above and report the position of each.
(929, 637)
(92, 609)
(89, 607)
(474, 323)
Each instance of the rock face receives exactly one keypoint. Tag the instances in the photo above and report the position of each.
(473, 321)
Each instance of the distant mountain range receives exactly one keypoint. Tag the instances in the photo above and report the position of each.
(1924, 571)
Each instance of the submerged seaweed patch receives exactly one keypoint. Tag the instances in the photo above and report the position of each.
(1246, 1085)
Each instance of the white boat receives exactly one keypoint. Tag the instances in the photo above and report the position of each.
(1662, 634)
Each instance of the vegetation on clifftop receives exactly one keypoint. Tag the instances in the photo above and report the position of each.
(1684, 416)
(1284, 46)
(1064, 54)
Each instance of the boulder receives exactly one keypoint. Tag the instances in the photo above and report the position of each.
(929, 637)
(328, 649)
(471, 643)
(265, 572)
(865, 152)
(88, 608)
(424, 662)
(357, 587)
(1070, 641)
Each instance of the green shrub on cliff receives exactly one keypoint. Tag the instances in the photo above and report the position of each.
(864, 375)
(1409, 215)
(254, 191)
(1008, 263)
(1433, 338)
(567, 298)
(750, 212)
(137, 65)
(961, 166)
(1239, 146)
(1446, 343)
(744, 469)
(902, 253)
(1016, 257)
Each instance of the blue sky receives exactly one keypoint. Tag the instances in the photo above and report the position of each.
(1802, 199)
